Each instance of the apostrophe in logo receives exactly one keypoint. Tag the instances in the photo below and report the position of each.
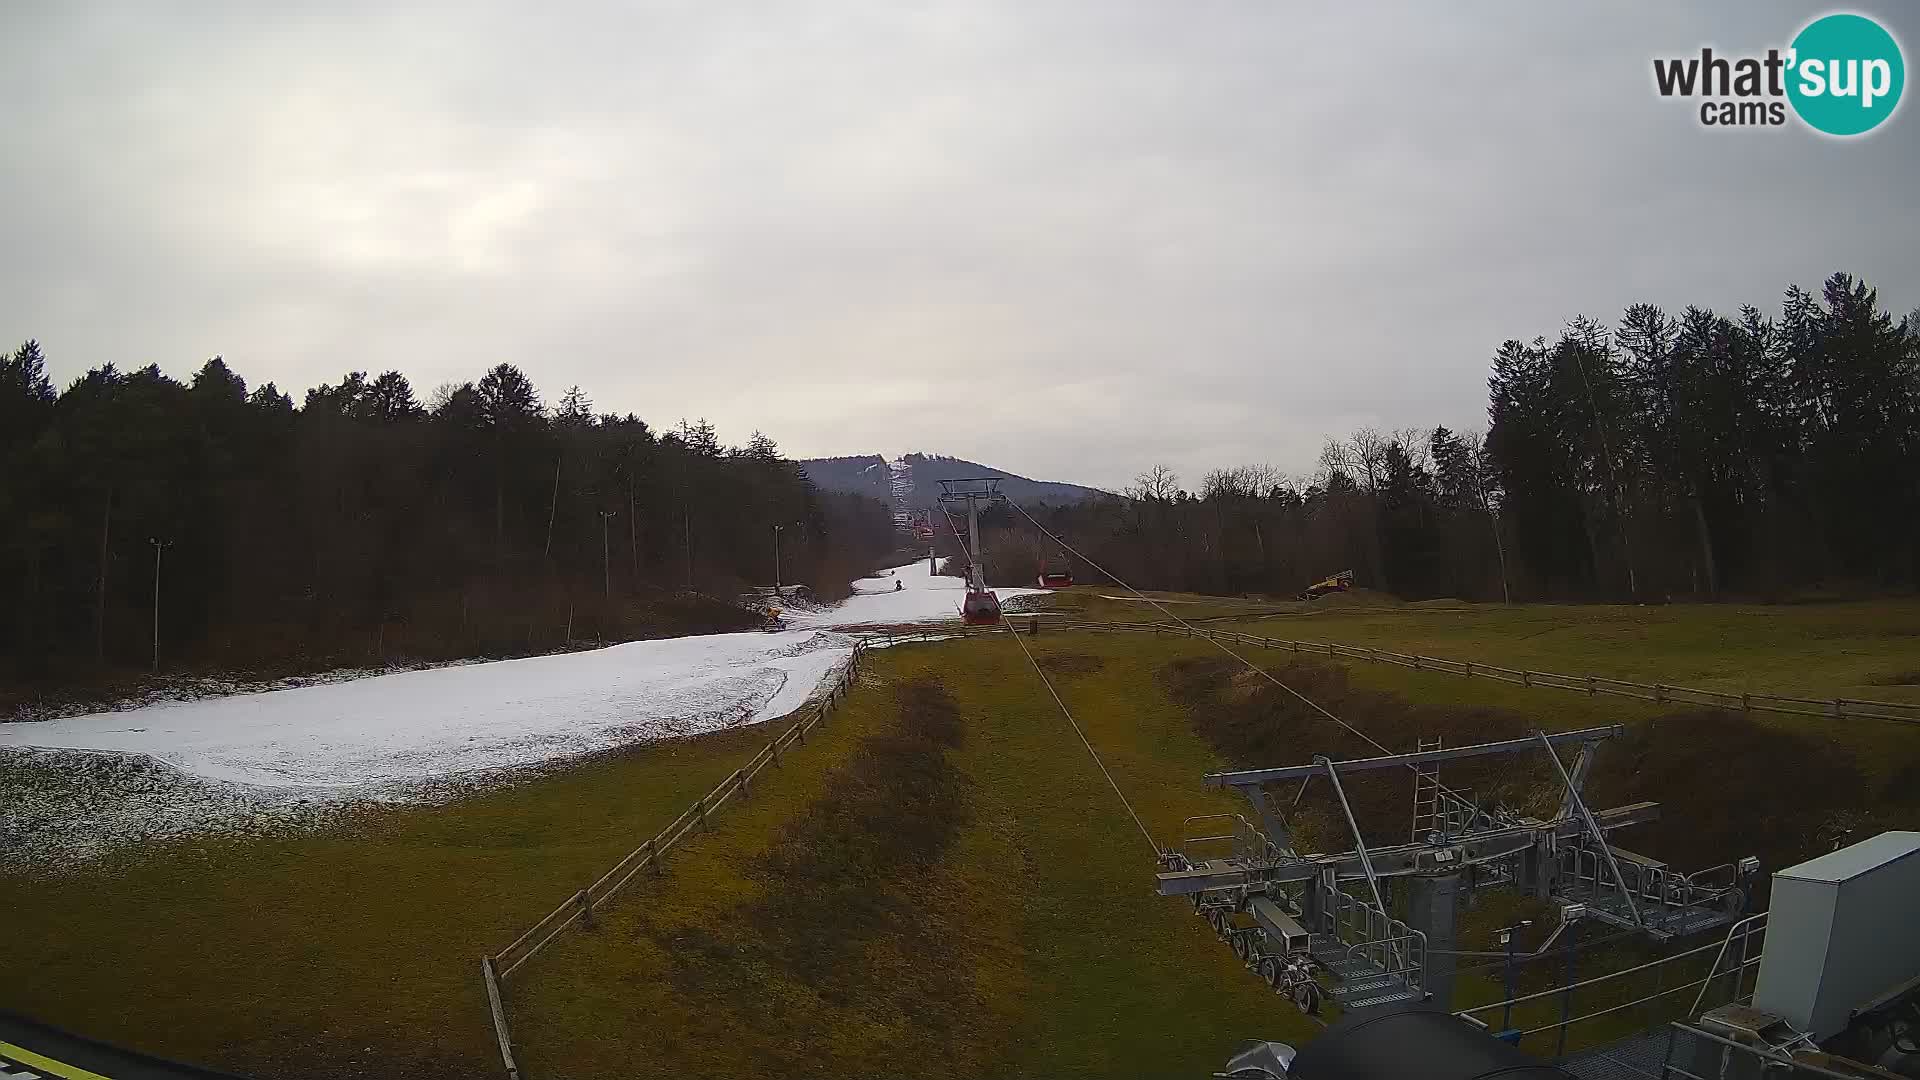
(1842, 75)
(1847, 74)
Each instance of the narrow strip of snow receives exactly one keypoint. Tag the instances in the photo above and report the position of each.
(255, 764)
(392, 730)
(921, 596)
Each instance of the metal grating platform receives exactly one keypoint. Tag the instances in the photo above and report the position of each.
(1636, 1057)
(1357, 983)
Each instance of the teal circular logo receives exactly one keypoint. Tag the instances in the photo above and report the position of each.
(1845, 74)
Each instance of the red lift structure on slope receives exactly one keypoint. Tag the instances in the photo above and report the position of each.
(981, 607)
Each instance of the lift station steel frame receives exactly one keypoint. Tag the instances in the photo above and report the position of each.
(1324, 926)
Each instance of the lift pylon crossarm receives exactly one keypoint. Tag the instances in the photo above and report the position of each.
(1398, 860)
(1248, 777)
(962, 488)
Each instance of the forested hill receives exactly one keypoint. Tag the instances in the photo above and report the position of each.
(364, 524)
(870, 475)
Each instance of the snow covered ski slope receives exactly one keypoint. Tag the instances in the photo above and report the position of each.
(922, 597)
(389, 731)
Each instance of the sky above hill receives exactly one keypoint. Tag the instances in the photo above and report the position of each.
(1070, 238)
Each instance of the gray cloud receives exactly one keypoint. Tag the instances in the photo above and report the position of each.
(1067, 238)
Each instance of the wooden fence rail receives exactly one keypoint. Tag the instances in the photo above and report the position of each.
(650, 855)
(1591, 685)
(1838, 708)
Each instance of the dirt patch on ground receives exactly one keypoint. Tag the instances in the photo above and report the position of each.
(839, 930)
(1252, 722)
(1904, 678)
(1072, 663)
(1358, 598)
(1728, 786)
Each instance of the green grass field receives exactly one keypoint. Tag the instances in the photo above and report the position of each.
(1025, 939)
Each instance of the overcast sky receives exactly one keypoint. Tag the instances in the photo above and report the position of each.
(1066, 239)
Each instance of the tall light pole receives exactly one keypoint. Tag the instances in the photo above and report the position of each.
(159, 546)
(606, 557)
(776, 559)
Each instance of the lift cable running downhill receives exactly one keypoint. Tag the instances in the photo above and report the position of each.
(1048, 683)
(1251, 666)
(1323, 925)
(1068, 713)
(961, 542)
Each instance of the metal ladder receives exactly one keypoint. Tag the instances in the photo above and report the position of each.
(1426, 793)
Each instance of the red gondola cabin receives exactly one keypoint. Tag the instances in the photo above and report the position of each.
(980, 609)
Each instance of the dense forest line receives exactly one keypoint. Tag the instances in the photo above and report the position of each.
(1694, 456)
(365, 525)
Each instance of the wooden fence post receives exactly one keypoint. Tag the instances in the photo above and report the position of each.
(1592, 689)
(1469, 671)
(1659, 692)
(654, 857)
(499, 1010)
(586, 908)
(1526, 678)
(740, 777)
(700, 808)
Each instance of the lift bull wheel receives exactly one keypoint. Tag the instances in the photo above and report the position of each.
(1306, 996)
(1270, 970)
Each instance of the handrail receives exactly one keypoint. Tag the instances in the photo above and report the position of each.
(1791, 1062)
(1725, 943)
(1589, 982)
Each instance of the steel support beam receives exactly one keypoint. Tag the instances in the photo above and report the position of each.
(1270, 819)
(1593, 827)
(1246, 777)
(1400, 859)
(1359, 842)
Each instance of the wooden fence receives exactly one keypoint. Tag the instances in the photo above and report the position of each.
(651, 855)
(1838, 708)
(648, 857)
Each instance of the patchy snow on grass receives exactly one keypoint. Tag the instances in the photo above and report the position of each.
(78, 783)
(923, 596)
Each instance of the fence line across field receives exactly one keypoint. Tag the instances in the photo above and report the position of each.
(495, 969)
(650, 855)
(1839, 708)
